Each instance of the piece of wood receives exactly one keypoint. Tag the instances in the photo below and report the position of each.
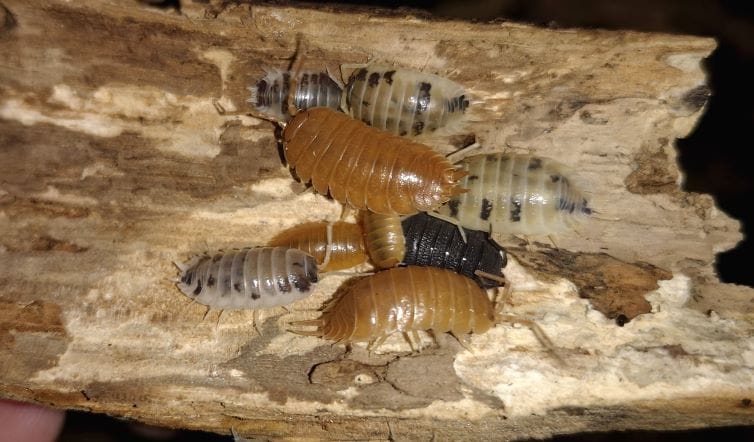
(116, 163)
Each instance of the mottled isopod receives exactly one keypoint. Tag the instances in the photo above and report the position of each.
(383, 236)
(366, 168)
(269, 96)
(406, 300)
(431, 241)
(249, 278)
(516, 194)
(346, 244)
(403, 101)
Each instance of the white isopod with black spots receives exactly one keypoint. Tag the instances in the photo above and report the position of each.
(249, 278)
(269, 96)
(516, 194)
(403, 101)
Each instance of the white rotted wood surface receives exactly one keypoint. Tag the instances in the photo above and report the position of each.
(116, 162)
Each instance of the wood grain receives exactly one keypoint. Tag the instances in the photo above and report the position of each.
(116, 162)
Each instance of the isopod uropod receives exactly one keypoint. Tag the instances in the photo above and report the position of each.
(346, 244)
(403, 101)
(431, 241)
(366, 168)
(406, 300)
(383, 236)
(249, 278)
(269, 95)
(516, 194)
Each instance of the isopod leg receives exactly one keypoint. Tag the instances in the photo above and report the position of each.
(376, 343)
(413, 338)
(255, 321)
(333, 77)
(431, 334)
(500, 280)
(307, 323)
(538, 333)
(319, 323)
(219, 315)
(552, 241)
(182, 266)
(465, 149)
(417, 339)
(249, 112)
(191, 301)
(463, 342)
(491, 276)
(350, 67)
(593, 213)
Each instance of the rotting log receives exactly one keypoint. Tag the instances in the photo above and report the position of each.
(116, 163)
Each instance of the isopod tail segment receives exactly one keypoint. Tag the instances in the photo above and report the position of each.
(295, 67)
(451, 156)
(384, 239)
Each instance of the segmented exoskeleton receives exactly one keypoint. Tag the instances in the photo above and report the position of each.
(269, 96)
(406, 300)
(249, 278)
(516, 194)
(403, 101)
(433, 242)
(346, 244)
(366, 168)
(383, 236)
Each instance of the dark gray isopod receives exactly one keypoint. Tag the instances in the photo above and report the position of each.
(433, 242)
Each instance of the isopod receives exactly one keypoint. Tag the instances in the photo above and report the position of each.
(366, 168)
(433, 242)
(269, 96)
(383, 236)
(346, 243)
(406, 300)
(403, 101)
(516, 194)
(249, 278)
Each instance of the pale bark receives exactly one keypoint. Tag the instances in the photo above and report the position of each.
(115, 162)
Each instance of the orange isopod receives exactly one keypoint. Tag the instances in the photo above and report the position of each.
(345, 243)
(384, 240)
(366, 168)
(406, 300)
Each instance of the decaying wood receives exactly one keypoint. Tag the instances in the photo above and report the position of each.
(116, 163)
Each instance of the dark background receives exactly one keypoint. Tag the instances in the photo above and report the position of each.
(713, 156)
